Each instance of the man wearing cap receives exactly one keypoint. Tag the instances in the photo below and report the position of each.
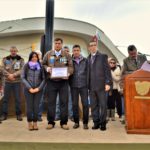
(99, 81)
(12, 66)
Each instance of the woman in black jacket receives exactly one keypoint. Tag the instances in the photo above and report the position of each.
(33, 78)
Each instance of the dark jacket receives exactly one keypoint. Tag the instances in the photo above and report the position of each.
(33, 78)
(99, 73)
(79, 77)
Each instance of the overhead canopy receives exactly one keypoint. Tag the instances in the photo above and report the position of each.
(61, 25)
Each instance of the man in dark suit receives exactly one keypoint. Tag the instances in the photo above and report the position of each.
(99, 81)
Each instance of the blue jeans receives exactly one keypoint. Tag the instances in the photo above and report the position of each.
(15, 88)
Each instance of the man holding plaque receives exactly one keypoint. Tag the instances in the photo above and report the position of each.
(58, 65)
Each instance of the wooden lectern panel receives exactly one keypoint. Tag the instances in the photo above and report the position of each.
(137, 102)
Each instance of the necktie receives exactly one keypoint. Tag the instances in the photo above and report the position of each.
(135, 61)
(92, 59)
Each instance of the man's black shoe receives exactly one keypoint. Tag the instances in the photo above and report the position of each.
(19, 118)
(103, 127)
(85, 126)
(3, 117)
(95, 127)
(76, 125)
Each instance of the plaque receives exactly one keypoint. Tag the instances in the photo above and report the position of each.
(59, 72)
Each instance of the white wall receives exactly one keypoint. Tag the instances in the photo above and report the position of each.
(24, 42)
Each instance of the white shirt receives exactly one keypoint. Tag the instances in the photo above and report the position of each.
(57, 53)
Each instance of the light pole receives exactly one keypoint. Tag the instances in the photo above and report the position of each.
(47, 38)
(49, 24)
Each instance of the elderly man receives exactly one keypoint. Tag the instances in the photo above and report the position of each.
(12, 66)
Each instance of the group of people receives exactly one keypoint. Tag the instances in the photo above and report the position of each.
(96, 77)
(132, 63)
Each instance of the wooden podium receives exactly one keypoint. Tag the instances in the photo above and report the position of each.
(137, 102)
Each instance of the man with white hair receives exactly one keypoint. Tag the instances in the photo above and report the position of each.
(39, 54)
(12, 66)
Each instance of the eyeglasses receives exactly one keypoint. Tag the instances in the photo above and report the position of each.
(13, 51)
(92, 45)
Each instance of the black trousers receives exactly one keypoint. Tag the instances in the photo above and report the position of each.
(83, 92)
(53, 88)
(114, 100)
(98, 107)
(32, 101)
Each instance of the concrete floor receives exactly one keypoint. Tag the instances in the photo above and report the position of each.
(12, 130)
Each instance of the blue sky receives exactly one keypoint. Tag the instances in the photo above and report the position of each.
(124, 21)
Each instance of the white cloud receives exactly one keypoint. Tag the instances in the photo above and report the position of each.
(124, 21)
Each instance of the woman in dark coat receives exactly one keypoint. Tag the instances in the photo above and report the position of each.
(33, 78)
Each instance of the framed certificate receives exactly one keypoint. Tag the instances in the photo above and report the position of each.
(59, 72)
